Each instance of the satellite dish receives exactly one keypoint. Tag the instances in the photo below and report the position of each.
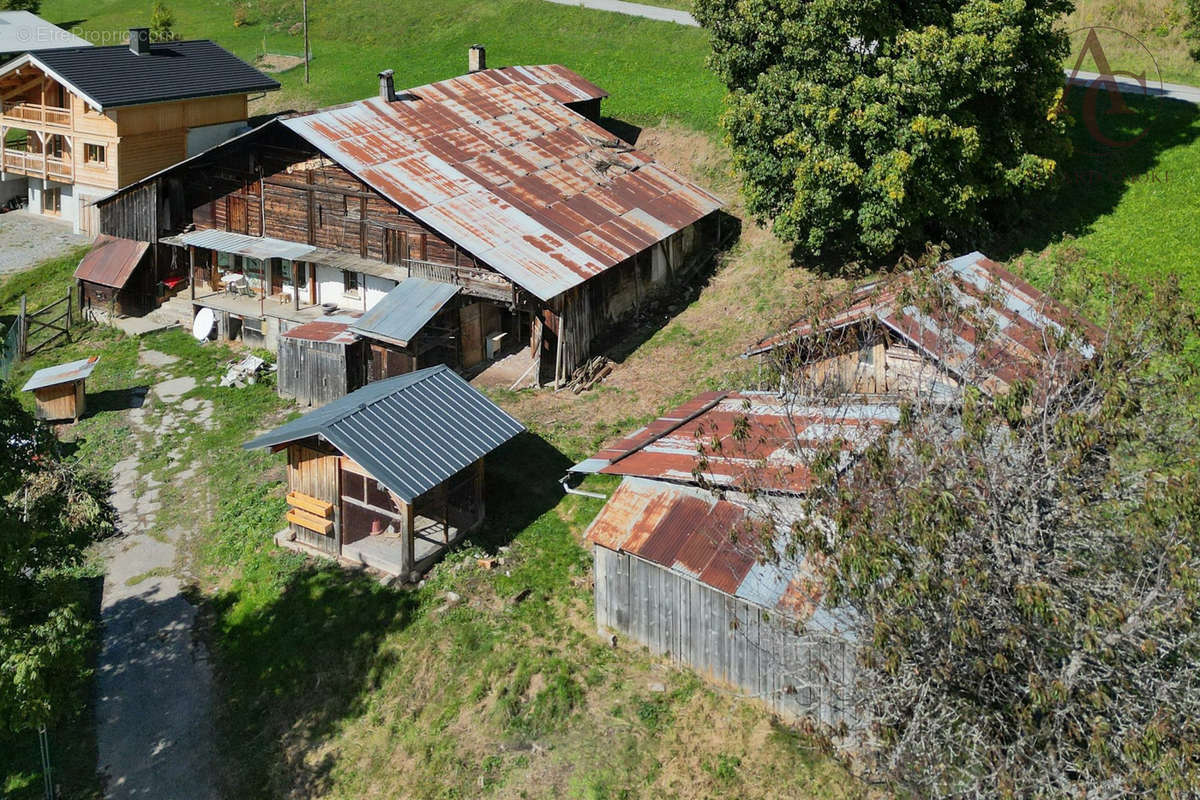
(203, 324)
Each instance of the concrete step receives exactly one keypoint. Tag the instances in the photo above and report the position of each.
(177, 309)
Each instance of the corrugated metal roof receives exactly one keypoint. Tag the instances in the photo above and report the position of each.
(243, 245)
(716, 542)
(61, 373)
(410, 432)
(538, 192)
(772, 453)
(404, 311)
(322, 331)
(112, 77)
(1017, 318)
(111, 261)
(564, 85)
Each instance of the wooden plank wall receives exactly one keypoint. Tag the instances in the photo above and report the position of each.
(58, 402)
(314, 373)
(132, 215)
(316, 474)
(726, 639)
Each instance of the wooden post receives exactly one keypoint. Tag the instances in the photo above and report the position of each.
(192, 270)
(21, 331)
(408, 552)
(70, 294)
(304, 9)
(297, 266)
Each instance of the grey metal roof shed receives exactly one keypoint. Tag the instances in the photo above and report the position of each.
(403, 311)
(411, 432)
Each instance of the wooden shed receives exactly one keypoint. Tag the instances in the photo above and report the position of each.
(59, 390)
(390, 475)
(320, 362)
(116, 275)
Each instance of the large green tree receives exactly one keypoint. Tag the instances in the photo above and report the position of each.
(862, 126)
(32, 6)
(49, 513)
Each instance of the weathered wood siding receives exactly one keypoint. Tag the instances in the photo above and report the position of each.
(315, 373)
(315, 474)
(873, 362)
(133, 215)
(804, 673)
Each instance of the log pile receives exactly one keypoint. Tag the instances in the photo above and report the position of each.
(591, 373)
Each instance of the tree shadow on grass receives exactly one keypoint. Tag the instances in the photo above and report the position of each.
(1094, 180)
(291, 669)
(520, 485)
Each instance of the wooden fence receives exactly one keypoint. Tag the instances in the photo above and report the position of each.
(53, 322)
(797, 673)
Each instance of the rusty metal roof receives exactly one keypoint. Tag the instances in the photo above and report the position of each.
(322, 331)
(716, 542)
(1008, 331)
(111, 261)
(564, 85)
(772, 453)
(505, 170)
(61, 373)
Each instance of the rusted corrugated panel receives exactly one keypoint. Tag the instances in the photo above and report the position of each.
(322, 331)
(111, 261)
(633, 511)
(1006, 332)
(771, 455)
(499, 165)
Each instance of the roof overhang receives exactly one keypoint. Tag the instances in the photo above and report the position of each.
(31, 58)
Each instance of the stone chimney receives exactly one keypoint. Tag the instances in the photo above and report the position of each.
(139, 41)
(476, 58)
(387, 86)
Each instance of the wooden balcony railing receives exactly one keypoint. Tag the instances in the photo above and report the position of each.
(34, 113)
(37, 164)
(474, 281)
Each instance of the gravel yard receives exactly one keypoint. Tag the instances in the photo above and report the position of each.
(26, 239)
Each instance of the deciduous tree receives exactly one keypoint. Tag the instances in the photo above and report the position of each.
(862, 126)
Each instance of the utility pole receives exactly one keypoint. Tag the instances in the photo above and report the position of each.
(304, 7)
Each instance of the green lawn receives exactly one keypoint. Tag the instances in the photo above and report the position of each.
(653, 70)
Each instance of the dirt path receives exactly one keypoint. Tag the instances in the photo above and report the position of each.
(154, 682)
(635, 10)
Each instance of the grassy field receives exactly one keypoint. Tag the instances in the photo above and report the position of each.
(653, 70)
(1154, 28)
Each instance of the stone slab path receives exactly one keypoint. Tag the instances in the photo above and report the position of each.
(154, 682)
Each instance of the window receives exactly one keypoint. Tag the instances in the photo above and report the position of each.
(225, 262)
(350, 283)
(52, 201)
(253, 269)
(94, 154)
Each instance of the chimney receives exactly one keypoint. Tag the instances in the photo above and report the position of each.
(387, 86)
(139, 41)
(476, 58)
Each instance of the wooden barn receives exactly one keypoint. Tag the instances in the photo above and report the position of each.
(551, 230)
(687, 573)
(60, 392)
(391, 474)
(875, 343)
(117, 275)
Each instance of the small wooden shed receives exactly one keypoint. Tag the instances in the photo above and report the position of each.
(390, 475)
(59, 390)
(116, 275)
(320, 361)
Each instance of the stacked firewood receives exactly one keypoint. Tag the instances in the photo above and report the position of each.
(591, 373)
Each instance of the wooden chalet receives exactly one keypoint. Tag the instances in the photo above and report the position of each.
(60, 391)
(78, 122)
(686, 571)
(542, 230)
(875, 342)
(391, 474)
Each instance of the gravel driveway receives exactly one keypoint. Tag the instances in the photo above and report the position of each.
(26, 239)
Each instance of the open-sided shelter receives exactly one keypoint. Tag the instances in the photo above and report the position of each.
(390, 475)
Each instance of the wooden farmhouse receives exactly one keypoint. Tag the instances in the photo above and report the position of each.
(78, 122)
(486, 215)
(59, 391)
(878, 342)
(391, 474)
(685, 571)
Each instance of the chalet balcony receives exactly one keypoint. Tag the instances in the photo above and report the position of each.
(476, 282)
(26, 115)
(38, 165)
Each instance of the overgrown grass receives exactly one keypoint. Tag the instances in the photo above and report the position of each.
(654, 70)
(1156, 28)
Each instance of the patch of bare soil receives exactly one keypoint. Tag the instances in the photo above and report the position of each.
(277, 62)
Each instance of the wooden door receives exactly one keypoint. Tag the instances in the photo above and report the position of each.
(315, 474)
(89, 218)
(471, 336)
(236, 214)
(276, 275)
